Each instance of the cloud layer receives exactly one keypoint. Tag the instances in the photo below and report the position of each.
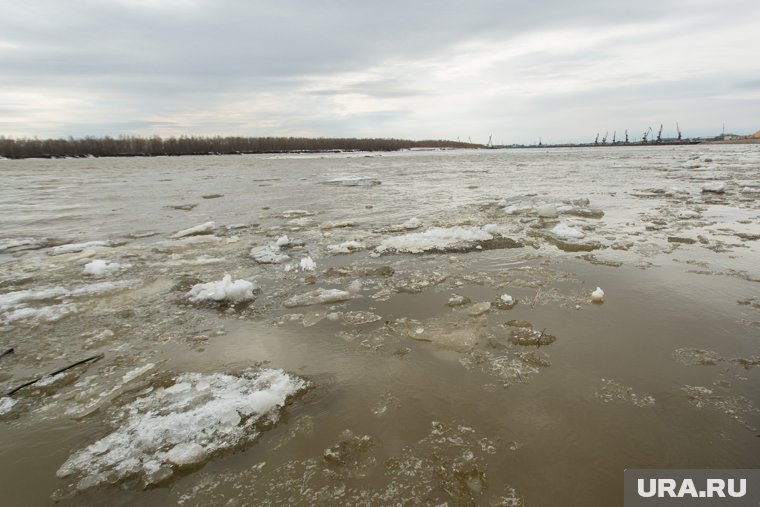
(561, 71)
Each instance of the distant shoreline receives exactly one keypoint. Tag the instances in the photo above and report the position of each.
(91, 147)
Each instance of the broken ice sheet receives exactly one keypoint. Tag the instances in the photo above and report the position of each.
(610, 390)
(738, 408)
(185, 423)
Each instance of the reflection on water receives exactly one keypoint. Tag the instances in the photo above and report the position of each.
(428, 316)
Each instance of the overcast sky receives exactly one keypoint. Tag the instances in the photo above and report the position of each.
(556, 70)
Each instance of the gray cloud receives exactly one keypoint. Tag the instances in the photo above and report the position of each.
(419, 69)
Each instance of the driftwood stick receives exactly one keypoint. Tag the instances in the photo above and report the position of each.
(7, 353)
(32, 382)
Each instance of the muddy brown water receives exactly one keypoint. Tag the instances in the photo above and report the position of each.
(411, 400)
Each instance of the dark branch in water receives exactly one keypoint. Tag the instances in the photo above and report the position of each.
(541, 337)
(32, 382)
(7, 353)
(174, 146)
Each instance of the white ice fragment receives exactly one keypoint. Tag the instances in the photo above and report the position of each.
(6, 404)
(598, 295)
(268, 255)
(46, 313)
(412, 223)
(282, 241)
(96, 289)
(318, 296)
(687, 214)
(564, 231)
(186, 453)
(506, 299)
(547, 211)
(205, 228)
(346, 247)
(717, 187)
(750, 190)
(222, 290)
(435, 238)
(23, 296)
(355, 286)
(99, 268)
(77, 247)
(308, 264)
(137, 372)
(177, 427)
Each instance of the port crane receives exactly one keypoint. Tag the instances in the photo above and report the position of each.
(646, 134)
(659, 134)
(678, 129)
(604, 139)
(614, 134)
(488, 144)
(596, 141)
(626, 136)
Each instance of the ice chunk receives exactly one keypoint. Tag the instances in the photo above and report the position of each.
(598, 295)
(282, 241)
(435, 239)
(308, 264)
(99, 268)
(318, 296)
(412, 223)
(77, 247)
(346, 247)
(46, 313)
(458, 300)
(205, 228)
(174, 426)
(24, 296)
(96, 289)
(717, 187)
(6, 404)
(547, 211)
(564, 231)
(268, 255)
(750, 190)
(222, 290)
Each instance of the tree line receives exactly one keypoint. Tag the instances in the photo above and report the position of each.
(129, 146)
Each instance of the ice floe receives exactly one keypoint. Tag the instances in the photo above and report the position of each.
(442, 239)
(6, 404)
(198, 230)
(318, 296)
(717, 187)
(307, 264)
(564, 231)
(182, 424)
(353, 181)
(224, 290)
(268, 254)
(346, 247)
(98, 268)
(77, 247)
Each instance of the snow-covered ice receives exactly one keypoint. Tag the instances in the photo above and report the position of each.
(282, 241)
(205, 228)
(564, 231)
(717, 187)
(266, 254)
(222, 290)
(6, 404)
(547, 211)
(77, 247)
(185, 423)
(346, 247)
(412, 223)
(598, 295)
(99, 267)
(318, 296)
(308, 264)
(434, 239)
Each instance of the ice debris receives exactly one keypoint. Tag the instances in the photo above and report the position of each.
(184, 423)
(598, 295)
(717, 187)
(77, 247)
(318, 296)
(205, 228)
(346, 247)
(6, 404)
(412, 223)
(547, 211)
(267, 254)
(442, 239)
(98, 268)
(308, 264)
(564, 231)
(222, 290)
